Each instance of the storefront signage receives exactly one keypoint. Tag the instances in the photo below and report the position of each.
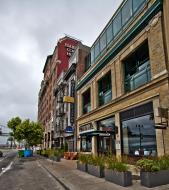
(118, 145)
(68, 99)
(86, 128)
(70, 49)
(72, 113)
(69, 129)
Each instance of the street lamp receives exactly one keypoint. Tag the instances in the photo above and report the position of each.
(140, 134)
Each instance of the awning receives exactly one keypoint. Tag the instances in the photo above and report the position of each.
(97, 133)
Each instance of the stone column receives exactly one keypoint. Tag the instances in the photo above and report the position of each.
(94, 145)
(118, 135)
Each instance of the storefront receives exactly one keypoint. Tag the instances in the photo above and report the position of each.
(103, 133)
(138, 131)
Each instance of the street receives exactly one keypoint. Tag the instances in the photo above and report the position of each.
(25, 174)
(39, 173)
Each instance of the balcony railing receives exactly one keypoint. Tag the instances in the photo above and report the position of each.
(140, 78)
(106, 97)
(87, 108)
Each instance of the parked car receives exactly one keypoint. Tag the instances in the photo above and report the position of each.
(1, 153)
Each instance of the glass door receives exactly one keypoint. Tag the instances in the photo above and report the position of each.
(106, 145)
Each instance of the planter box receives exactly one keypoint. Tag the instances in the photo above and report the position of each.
(153, 179)
(95, 170)
(56, 158)
(82, 167)
(120, 178)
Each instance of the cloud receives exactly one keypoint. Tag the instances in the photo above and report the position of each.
(29, 32)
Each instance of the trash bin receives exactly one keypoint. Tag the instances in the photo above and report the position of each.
(28, 153)
(21, 153)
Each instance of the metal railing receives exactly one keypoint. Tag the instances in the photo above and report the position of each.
(138, 79)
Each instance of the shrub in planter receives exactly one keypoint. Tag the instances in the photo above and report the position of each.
(82, 162)
(95, 166)
(154, 172)
(44, 153)
(116, 172)
(56, 156)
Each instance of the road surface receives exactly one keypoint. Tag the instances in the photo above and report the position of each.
(25, 174)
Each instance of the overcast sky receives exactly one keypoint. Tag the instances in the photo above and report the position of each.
(29, 30)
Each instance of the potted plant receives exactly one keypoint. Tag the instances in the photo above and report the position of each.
(116, 172)
(154, 172)
(56, 156)
(82, 162)
(96, 166)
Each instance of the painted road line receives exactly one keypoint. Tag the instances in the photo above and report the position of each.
(7, 168)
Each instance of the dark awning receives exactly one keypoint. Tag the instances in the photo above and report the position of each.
(97, 133)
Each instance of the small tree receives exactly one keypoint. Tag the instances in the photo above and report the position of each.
(12, 124)
(30, 132)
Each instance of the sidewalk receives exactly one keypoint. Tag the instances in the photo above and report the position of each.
(74, 179)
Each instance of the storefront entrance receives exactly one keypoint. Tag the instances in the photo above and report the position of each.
(106, 144)
(106, 137)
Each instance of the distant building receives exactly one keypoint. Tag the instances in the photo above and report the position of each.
(54, 66)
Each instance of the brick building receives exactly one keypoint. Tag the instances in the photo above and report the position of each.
(54, 66)
(123, 97)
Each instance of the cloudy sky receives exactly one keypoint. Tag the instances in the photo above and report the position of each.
(29, 30)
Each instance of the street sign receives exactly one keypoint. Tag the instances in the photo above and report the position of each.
(68, 99)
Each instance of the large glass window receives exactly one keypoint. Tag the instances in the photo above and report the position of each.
(86, 100)
(92, 56)
(107, 125)
(117, 24)
(126, 12)
(105, 89)
(97, 49)
(139, 137)
(103, 42)
(137, 4)
(109, 32)
(137, 68)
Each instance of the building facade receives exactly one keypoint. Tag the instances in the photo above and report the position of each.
(54, 66)
(123, 97)
(75, 69)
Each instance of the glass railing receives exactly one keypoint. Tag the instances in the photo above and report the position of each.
(140, 78)
(87, 108)
(104, 98)
(128, 10)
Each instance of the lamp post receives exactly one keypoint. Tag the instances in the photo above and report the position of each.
(140, 134)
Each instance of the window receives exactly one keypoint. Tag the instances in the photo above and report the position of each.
(86, 100)
(103, 42)
(137, 4)
(92, 55)
(139, 137)
(117, 24)
(105, 89)
(86, 143)
(97, 49)
(109, 32)
(107, 124)
(137, 68)
(87, 62)
(126, 12)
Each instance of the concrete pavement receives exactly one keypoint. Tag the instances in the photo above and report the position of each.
(27, 174)
(66, 172)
